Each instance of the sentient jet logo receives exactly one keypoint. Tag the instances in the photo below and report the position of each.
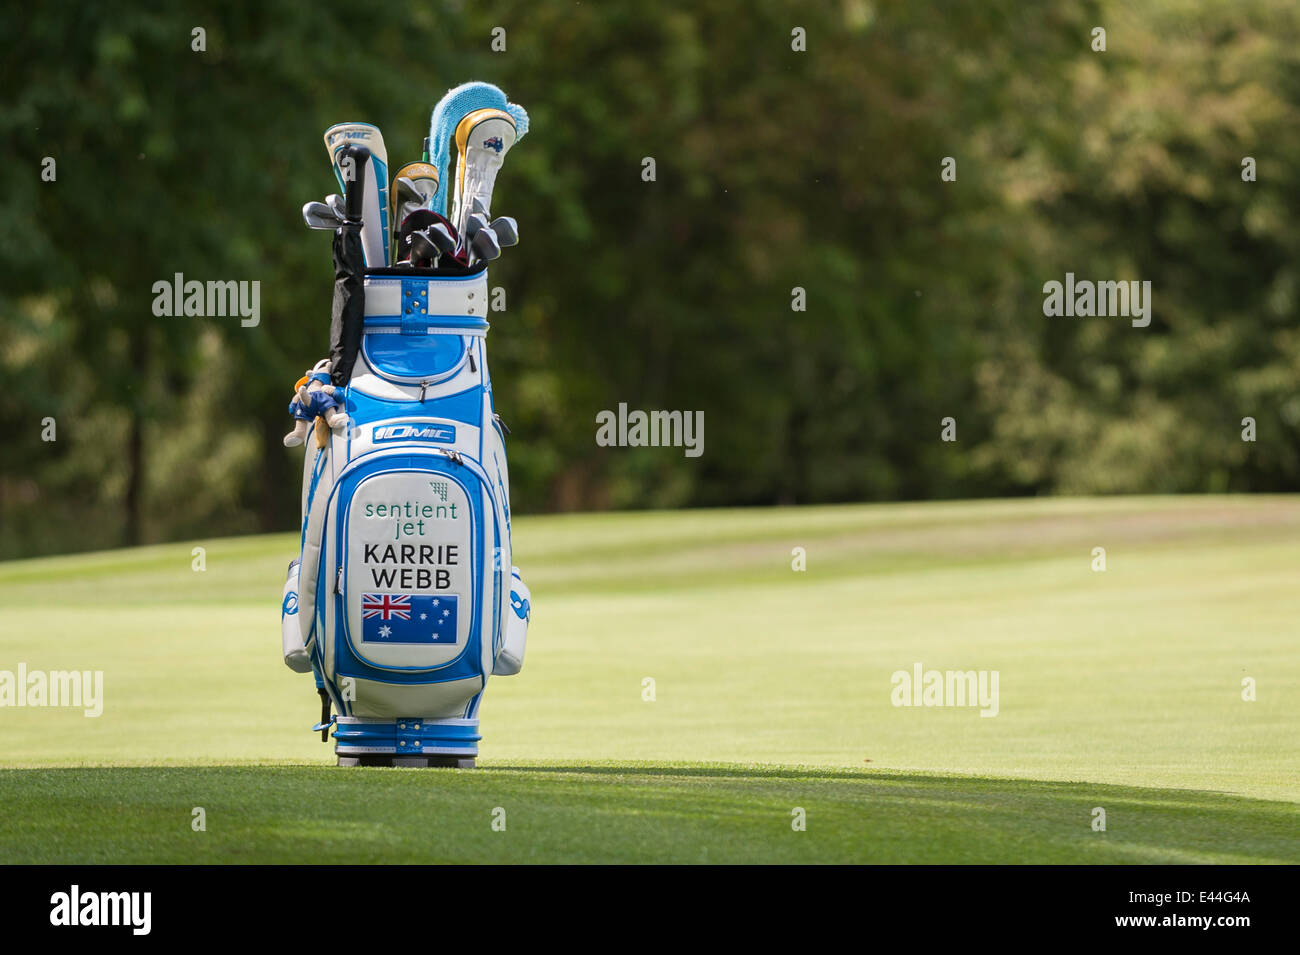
(442, 433)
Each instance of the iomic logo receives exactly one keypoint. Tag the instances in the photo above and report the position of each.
(443, 433)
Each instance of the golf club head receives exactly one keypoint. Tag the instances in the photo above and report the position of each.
(477, 206)
(435, 229)
(507, 230)
(484, 245)
(440, 235)
(405, 188)
(335, 202)
(317, 215)
(424, 253)
(406, 197)
(473, 224)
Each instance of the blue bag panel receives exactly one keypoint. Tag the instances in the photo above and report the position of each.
(421, 357)
(405, 358)
(465, 406)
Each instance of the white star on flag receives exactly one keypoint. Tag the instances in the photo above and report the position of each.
(385, 631)
(424, 616)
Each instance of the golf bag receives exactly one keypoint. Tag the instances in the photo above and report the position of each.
(404, 599)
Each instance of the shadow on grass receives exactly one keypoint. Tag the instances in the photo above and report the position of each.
(845, 773)
(636, 812)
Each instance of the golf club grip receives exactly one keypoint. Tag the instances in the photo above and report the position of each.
(354, 202)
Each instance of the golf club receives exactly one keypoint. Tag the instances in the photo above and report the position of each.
(507, 231)
(484, 246)
(318, 215)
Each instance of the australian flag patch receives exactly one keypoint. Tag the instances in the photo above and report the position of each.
(408, 618)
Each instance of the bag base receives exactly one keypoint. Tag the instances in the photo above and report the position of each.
(409, 762)
(357, 736)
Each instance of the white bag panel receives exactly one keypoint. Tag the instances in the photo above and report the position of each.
(311, 555)
(426, 433)
(431, 701)
(444, 296)
(511, 659)
(494, 466)
(332, 464)
(489, 608)
(296, 656)
(310, 452)
(410, 569)
(503, 472)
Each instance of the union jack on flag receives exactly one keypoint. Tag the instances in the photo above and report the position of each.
(386, 606)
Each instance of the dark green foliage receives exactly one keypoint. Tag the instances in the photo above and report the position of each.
(775, 169)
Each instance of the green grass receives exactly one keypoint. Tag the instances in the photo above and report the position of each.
(1119, 689)
(617, 813)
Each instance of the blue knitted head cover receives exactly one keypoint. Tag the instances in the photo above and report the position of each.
(451, 109)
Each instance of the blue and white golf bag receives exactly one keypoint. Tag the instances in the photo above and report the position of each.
(404, 599)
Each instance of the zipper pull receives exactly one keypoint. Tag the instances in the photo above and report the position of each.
(454, 456)
(424, 386)
(338, 581)
(500, 422)
(473, 365)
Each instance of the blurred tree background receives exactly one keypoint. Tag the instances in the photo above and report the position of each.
(775, 169)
